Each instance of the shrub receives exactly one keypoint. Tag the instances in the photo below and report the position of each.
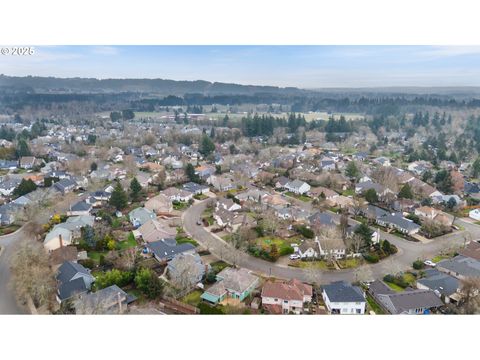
(148, 283)
(389, 278)
(88, 263)
(371, 258)
(418, 265)
(305, 231)
(113, 277)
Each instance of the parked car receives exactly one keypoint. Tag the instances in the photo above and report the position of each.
(429, 263)
(199, 222)
(294, 257)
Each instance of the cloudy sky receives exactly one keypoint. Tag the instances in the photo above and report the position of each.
(300, 66)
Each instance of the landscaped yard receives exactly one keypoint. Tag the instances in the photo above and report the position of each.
(200, 196)
(394, 287)
(193, 298)
(317, 264)
(185, 239)
(4, 230)
(127, 244)
(266, 242)
(348, 192)
(95, 255)
(350, 263)
(439, 258)
(372, 305)
(180, 205)
(299, 197)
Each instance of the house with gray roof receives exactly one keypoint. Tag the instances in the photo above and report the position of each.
(166, 249)
(65, 185)
(110, 300)
(80, 208)
(140, 216)
(410, 301)
(443, 284)
(72, 279)
(460, 267)
(297, 187)
(341, 297)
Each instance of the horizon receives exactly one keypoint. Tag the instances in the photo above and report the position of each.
(303, 67)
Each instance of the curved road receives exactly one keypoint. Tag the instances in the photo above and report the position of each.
(8, 303)
(408, 252)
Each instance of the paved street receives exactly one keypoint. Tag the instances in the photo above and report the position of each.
(8, 304)
(408, 252)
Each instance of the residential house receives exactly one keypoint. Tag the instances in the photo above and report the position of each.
(427, 212)
(57, 237)
(383, 161)
(80, 208)
(72, 279)
(227, 204)
(471, 250)
(410, 301)
(65, 185)
(155, 230)
(8, 213)
(297, 187)
(140, 216)
(461, 267)
(27, 162)
(231, 283)
(166, 249)
(333, 247)
(442, 284)
(281, 182)
(286, 297)
(175, 194)
(474, 214)
(109, 300)
(220, 183)
(8, 164)
(204, 171)
(308, 249)
(159, 204)
(323, 192)
(186, 269)
(195, 188)
(341, 297)
(8, 185)
(381, 190)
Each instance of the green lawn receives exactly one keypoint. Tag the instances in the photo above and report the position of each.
(304, 198)
(218, 266)
(348, 192)
(127, 244)
(439, 258)
(200, 196)
(185, 239)
(266, 242)
(350, 263)
(372, 305)
(394, 287)
(180, 205)
(409, 278)
(193, 298)
(95, 255)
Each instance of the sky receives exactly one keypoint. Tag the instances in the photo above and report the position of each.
(298, 66)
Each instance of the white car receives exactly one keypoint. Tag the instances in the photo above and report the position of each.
(429, 263)
(295, 257)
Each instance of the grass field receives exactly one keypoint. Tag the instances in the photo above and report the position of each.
(127, 244)
(266, 243)
(192, 298)
(394, 287)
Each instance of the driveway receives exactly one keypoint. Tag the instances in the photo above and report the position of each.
(407, 252)
(8, 304)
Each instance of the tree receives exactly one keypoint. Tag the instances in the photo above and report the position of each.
(25, 187)
(371, 196)
(22, 148)
(93, 166)
(206, 146)
(444, 181)
(128, 114)
(135, 189)
(32, 277)
(365, 232)
(118, 199)
(115, 116)
(212, 133)
(476, 167)
(352, 170)
(405, 192)
(148, 282)
(190, 172)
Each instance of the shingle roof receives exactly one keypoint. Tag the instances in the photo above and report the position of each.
(167, 250)
(341, 291)
(443, 283)
(461, 265)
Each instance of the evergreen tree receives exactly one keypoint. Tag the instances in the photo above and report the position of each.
(352, 170)
(118, 199)
(371, 196)
(22, 148)
(206, 146)
(135, 189)
(190, 172)
(405, 192)
(25, 187)
(476, 167)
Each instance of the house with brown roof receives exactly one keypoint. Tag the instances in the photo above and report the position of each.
(159, 204)
(155, 230)
(327, 193)
(427, 212)
(472, 250)
(286, 297)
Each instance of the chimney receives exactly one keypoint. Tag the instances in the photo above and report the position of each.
(60, 240)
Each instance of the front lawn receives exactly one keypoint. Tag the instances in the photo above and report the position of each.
(200, 197)
(4, 230)
(180, 205)
(394, 287)
(348, 192)
(350, 263)
(185, 239)
(304, 198)
(317, 264)
(439, 258)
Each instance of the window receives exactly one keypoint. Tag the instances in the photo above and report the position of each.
(359, 311)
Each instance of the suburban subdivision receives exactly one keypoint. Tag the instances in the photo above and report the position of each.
(163, 197)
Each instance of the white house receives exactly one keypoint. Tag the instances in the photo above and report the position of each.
(474, 214)
(297, 187)
(342, 298)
